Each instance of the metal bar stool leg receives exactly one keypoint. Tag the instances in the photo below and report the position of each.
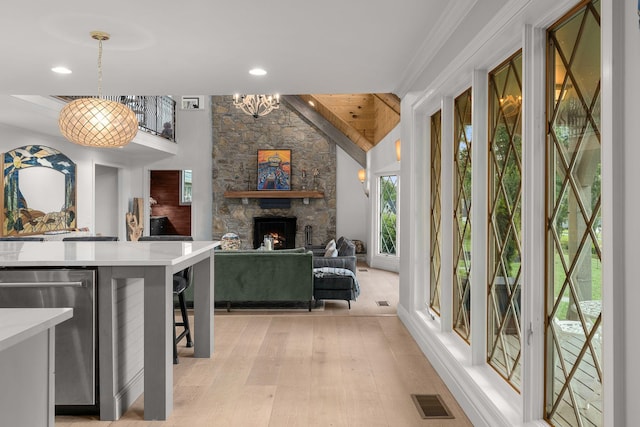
(175, 341)
(185, 319)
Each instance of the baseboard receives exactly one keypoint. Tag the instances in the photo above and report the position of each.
(128, 394)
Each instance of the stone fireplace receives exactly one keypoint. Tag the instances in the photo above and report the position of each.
(236, 140)
(282, 229)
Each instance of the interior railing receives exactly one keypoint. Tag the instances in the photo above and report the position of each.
(156, 114)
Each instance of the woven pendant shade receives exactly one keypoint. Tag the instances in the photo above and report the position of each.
(98, 122)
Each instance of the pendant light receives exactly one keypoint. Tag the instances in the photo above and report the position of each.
(256, 105)
(97, 122)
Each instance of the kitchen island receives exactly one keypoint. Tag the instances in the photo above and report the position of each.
(121, 267)
(26, 364)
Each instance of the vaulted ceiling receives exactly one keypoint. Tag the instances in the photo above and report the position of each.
(354, 122)
(364, 118)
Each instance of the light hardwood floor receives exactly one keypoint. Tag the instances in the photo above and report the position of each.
(331, 367)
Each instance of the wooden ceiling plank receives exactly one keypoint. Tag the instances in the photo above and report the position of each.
(364, 118)
(362, 136)
(391, 100)
(300, 105)
(387, 119)
(350, 112)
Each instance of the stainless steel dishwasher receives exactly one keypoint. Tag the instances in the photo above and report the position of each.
(75, 345)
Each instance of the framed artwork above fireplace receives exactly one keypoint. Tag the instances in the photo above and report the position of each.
(274, 169)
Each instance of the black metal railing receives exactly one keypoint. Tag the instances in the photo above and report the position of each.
(156, 114)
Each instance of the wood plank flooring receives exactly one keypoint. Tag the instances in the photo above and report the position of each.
(331, 367)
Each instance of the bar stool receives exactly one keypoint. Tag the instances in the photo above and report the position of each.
(181, 281)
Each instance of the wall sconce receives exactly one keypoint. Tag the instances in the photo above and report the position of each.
(398, 150)
(362, 176)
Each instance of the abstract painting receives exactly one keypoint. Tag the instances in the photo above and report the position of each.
(274, 169)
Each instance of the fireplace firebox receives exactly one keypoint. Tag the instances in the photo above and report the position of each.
(282, 229)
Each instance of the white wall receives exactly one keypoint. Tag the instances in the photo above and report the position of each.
(351, 212)
(194, 135)
(106, 222)
(85, 159)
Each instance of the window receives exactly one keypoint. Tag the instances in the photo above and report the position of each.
(505, 232)
(434, 258)
(185, 187)
(462, 216)
(388, 215)
(573, 385)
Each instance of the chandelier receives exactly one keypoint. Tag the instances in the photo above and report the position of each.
(98, 122)
(257, 105)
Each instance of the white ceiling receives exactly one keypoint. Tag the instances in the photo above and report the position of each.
(206, 47)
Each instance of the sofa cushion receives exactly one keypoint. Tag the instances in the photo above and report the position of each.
(330, 278)
(331, 253)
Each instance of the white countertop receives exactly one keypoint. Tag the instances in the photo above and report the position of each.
(70, 254)
(18, 324)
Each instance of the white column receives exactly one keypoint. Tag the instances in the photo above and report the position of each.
(446, 273)
(478, 276)
(533, 221)
(619, 147)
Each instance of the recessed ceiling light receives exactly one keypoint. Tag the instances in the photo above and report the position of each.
(257, 72)
(312, 103)
(61, 70)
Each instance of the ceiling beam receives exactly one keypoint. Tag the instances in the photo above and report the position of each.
(325, 127)
(390, 99)
(387, 117)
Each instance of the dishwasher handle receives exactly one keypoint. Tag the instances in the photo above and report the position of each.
(39, 284)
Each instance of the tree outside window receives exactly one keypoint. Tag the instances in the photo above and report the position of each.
(388, 214)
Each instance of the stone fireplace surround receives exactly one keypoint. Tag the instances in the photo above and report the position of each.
(236, 139)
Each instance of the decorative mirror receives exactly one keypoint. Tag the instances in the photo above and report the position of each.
(39, 191)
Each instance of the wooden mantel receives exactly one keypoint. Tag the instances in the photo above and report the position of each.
(305, 195)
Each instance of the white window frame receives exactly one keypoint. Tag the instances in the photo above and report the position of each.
(379, 260)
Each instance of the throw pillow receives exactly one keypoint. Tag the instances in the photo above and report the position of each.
(331, 253)
(342, 247)
(331, 243)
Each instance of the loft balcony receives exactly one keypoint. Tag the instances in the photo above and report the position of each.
(156, 114)
(40, 113)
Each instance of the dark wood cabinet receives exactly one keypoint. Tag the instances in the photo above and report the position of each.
(158, 225)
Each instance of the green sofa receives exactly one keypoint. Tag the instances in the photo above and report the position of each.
(263, 276)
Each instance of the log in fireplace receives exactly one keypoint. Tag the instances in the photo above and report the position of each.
(282, 229)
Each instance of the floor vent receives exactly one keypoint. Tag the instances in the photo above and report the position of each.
(363, 269)
(431, 406)
(383, 303)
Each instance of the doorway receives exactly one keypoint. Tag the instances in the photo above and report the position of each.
(170, 202)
